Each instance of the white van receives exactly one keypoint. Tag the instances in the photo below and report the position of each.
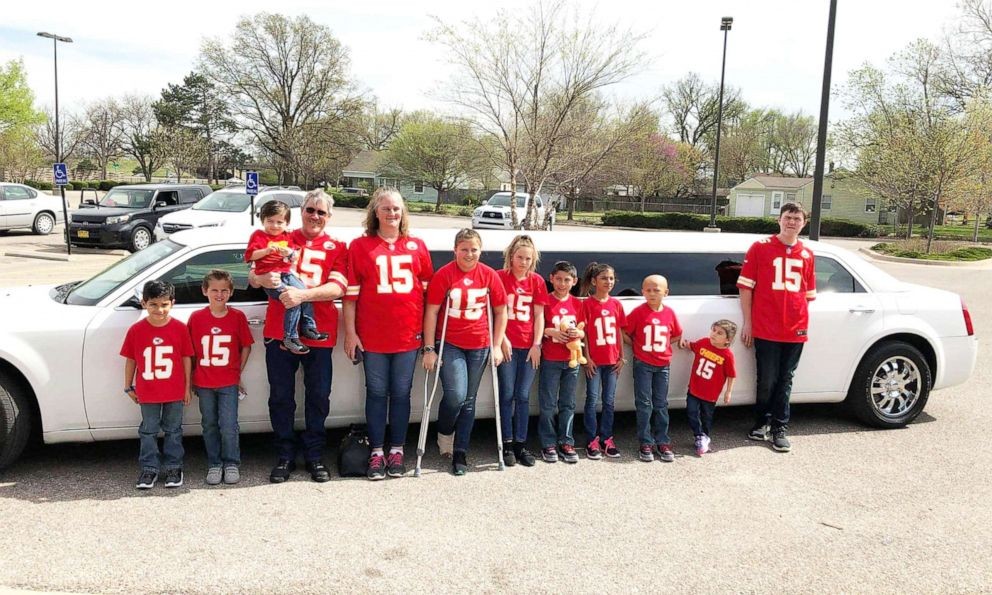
(228, 206)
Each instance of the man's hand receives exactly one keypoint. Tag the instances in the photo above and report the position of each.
(746, 337)
(292, 297)
(351, 342)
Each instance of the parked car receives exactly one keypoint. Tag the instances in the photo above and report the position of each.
(875, 342)
(126, 216)
(495, 213)
(354, 191)
(24, 207)
(225, 207)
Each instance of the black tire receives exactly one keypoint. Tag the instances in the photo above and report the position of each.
(891, 385)
(15, 419)
(4, 232)
(43, 224)
(141, 238)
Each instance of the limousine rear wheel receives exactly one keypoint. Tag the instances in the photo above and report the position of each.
(15, 419)
(891, 385)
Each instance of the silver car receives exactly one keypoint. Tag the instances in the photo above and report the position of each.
(23, 207)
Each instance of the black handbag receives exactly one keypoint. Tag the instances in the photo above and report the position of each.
(353, 457)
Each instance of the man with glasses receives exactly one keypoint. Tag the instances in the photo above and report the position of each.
(322, 266)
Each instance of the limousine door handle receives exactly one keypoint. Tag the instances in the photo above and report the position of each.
(256, 321)
(861, 310)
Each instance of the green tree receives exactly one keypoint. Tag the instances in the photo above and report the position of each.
(16, 98)
(139, 126)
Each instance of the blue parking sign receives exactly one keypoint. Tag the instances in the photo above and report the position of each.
(60, 173)
(251, 183)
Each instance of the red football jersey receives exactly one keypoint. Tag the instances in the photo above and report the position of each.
(556, 312)
(388, 282)
(652, 333)
(273, 263)
(783, 279)
(604, 322)
(711, 366)
(158, 352)
(321, 260)
(467, 324)
(217, 345)
(521, 297)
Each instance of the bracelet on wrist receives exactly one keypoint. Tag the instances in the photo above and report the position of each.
(427, 349)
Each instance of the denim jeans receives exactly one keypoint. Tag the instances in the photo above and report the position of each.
(603, 383)
(776, 364)
(515, 379)
(556, 389)
(700, 415)
(219, 419)
(281, 367)
(651, 403)
(167, 418)
(461, 374)
(388, 381)
(291, 319)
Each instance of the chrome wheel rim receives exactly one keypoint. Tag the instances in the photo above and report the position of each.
(141, 239)
(896, 386)
(45, 224)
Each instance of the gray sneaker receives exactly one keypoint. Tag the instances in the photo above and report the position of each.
(780, 442)
(665, 453)
(232, 474)
(759, 434)
(214, 476)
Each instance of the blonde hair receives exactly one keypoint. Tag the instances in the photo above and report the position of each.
(728, 327)
(466, 235)
(372, 221)
(521, 241)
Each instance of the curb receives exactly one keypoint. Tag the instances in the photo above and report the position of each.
(938, 263)
(38, 255)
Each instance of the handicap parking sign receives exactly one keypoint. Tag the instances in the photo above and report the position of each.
(251, 183)
(60, 174)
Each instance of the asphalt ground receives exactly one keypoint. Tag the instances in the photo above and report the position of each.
(850, 509)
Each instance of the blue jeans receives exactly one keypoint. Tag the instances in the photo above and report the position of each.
(291, 320)
(388, 380)
(167, 418)
(603, 383)
(700, 415)
(281, 367)
(219, 419)
(651, 403)
(515, 378)
(461, 373)
(776, 364)
(556, 389)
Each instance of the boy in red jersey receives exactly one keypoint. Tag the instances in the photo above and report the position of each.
(221, 342)
(157, 377)
(777, 281)
(712, 371)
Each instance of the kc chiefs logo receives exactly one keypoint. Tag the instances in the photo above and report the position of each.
(411, 245)
(158, 341)
(328, 245)
(215, 330)
(467, 282)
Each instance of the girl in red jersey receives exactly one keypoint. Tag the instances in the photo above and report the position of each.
(605, 320)
(712, 371)
(526, 295)
(468, 288)
(388, 271)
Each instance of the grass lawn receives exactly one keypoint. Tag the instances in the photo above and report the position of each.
(951, 232)
(940, 250)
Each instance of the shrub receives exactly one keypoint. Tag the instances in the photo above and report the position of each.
(44, 185)
(108, 184)
(94, 184)
(71, 185)
(763, 225)
(355, 202)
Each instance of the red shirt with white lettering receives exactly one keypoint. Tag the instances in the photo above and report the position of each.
(321, 260)
(273, 263)
(711, 366)
(556, 312)
(652, 333)
(217, 345)
(604, 322)
(783, 279)
(521, 297)
(388, 280)
(468, 326)
(158, 353)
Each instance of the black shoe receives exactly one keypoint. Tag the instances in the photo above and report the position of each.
(313, 334)
(758, 433)
(318, 471)
(459, 463)
(146, 480)
(174, 478)
(281, 471)
(779, 441)
(395, 467)
(294, 346)
(509, 457)
(524, 457)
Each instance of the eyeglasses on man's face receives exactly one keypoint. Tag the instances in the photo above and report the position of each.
(312, 210)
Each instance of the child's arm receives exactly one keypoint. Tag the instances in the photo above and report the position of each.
(534, 355)
(188, 372)
(728, 390)
(129, 368)
(430, 328)
(499, 332)
(261, 253)
(681, 342)
(245, 352)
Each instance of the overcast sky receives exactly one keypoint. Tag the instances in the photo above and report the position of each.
(775, 50)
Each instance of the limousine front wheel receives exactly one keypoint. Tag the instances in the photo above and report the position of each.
(15, 419)
(891, 386)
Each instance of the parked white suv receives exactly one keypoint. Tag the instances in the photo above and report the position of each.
(23, 206)
(495, 213)
(228, 206)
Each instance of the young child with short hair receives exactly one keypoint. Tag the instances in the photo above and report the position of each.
(221, 344)
(652, 328)
(712, 371)
(272, 250)
(157, 351)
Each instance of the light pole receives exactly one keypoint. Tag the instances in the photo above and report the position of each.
(58, 137)
(821, 136)
(725, 24)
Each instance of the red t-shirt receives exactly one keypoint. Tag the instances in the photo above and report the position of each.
(711, 366)
(521, 297)
(604, 322)
(158, 352)
(652, 333)
(783, 279)
(388, 281)
(273, 263)
(321, 260)
(556, 312)
(467, 325)
(217, 345)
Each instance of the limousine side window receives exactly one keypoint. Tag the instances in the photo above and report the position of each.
(188, 277)
(832, 277)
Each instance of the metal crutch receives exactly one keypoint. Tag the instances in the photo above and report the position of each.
(492, 369)
(425, 417)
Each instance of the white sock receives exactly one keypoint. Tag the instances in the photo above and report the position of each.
(377, 451)
(395, 449)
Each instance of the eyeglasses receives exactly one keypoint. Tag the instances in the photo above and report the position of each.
(311, 211)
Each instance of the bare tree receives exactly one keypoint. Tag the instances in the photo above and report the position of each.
(139, 124)
(180, 148)
(104, 137)
(71, 129)
(965, 69)
(377, 127)
(794, 141)
(693, 107)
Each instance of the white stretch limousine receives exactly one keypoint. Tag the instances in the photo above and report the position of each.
(879, 343)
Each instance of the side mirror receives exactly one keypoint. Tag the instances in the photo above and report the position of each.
(89, 201)
(160, 204)
(135, 300)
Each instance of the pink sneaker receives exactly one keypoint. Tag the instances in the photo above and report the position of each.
(611, 449)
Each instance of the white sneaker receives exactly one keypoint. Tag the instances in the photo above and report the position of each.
(446, 444)
(706, 443)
